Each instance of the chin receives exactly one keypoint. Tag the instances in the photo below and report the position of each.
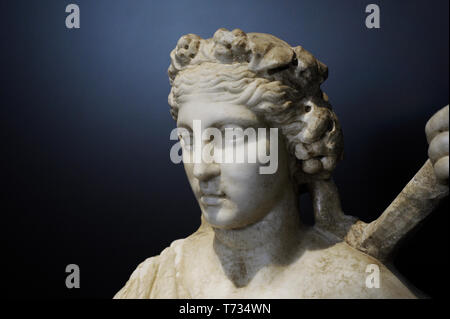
(219, 217)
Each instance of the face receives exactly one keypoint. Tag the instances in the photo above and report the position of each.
(231, 195)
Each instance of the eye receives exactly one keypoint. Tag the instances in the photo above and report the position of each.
(185, 141)
(186, 145)
(209, 138)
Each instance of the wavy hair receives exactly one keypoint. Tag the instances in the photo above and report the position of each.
(279, 83)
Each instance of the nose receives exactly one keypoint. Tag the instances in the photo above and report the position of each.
(206, 171)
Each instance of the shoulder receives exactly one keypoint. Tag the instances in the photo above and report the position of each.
(140, 283)
(144, 279)
(340, 271)
(156, 276)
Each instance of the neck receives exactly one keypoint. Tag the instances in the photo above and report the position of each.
(272, 240)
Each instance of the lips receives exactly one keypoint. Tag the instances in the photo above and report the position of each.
(212, 199)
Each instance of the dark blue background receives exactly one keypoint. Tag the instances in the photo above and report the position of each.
(85, 127)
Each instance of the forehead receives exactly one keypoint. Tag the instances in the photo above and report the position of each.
(213, 113)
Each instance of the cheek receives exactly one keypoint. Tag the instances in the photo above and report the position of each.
(245, 187)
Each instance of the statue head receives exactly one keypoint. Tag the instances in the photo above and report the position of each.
(253, 80)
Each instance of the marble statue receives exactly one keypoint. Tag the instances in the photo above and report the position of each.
(251, 242)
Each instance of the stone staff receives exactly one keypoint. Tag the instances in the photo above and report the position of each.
(415, 202)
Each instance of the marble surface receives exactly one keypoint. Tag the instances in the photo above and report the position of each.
(251, 242)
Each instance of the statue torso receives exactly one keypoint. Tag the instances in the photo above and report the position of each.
(190, 268)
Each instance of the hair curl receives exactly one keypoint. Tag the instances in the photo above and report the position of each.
(276, 81)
